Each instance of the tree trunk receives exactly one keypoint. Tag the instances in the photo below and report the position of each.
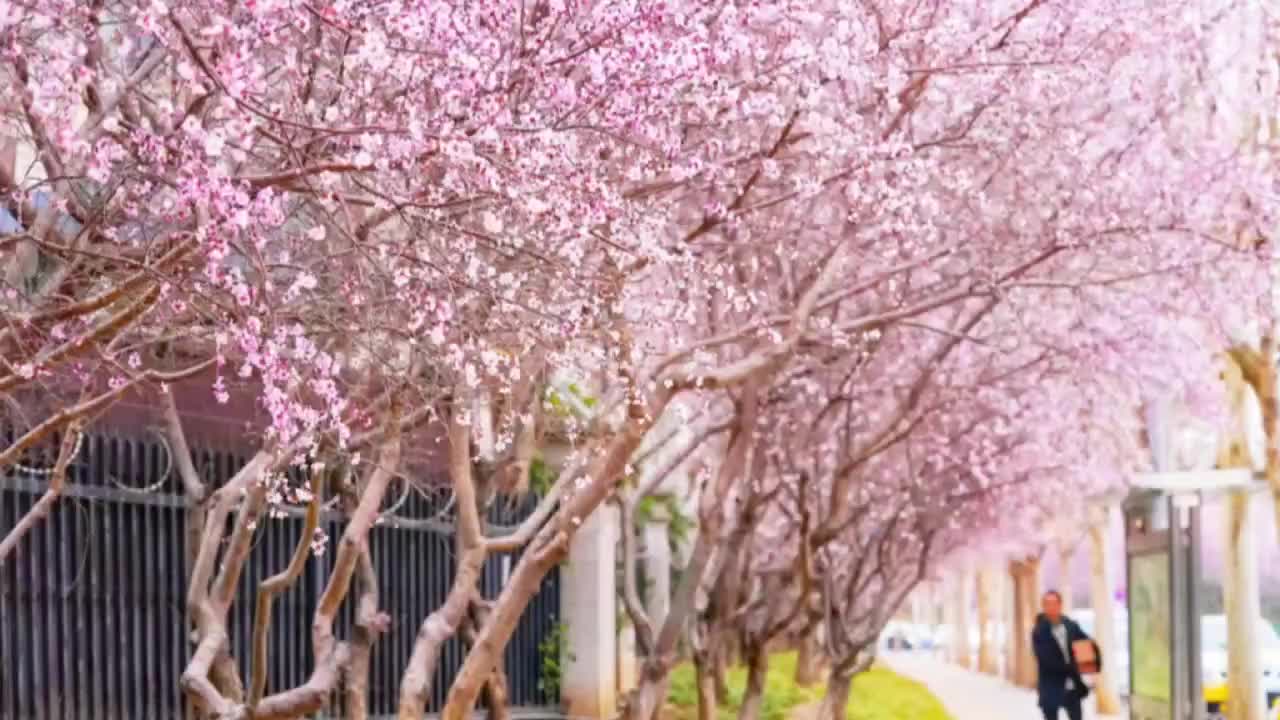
(836, 699)
(495, 690)
(1003, 590)
(720, 673)
(548, 548)
(1013, 596)
(809, 659)
(650, 696)
(1244, 612)
(57, 480)
(356, 690)
(757, 659)
(446, 620)
(1100, 563)
(840, 684)
(1257, 368)
(1026, 576)
(495, 694)
(988, 656)
(1241, 591)
(708, 697)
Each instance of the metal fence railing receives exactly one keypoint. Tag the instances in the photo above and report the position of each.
(93, 622)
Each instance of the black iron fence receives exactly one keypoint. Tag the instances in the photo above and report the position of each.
(93, 622)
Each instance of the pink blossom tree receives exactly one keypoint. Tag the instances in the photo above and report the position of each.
(381, 221)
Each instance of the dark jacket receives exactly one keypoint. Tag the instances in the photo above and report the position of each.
(1055, 668)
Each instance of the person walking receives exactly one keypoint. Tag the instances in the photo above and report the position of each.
(1059, 683)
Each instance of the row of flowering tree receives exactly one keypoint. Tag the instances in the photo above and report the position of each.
(869, 252)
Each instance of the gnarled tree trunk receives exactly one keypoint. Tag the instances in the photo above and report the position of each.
(1244, 612)
(835, 702)
(1026, 584)
(757, 660)
(445, 621)
(809, 658)
(549, 547)
(708, 697)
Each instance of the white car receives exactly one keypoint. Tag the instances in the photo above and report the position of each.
(898, 635)
(1118, 660)
(1213, 658)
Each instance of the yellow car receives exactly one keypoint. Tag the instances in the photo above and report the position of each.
(1215, 696)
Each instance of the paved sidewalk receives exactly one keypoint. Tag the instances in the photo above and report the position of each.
(969, 695)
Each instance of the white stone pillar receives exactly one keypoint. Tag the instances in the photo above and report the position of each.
(988, 612)
(588, 605)
(963, 589)
(657, 559)
(1004, 614)
(1102, 594)
(628, 667)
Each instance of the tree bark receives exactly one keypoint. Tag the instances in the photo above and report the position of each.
(708, 695)
(333, 658)
(720, 673)
(57, 480)
(370, 623)
(495, 689)
(549, 547)
(809, 659)
(278, 583)
(1258, 369)
(836, 699)
(1010, 613)
(442, 624)
(1026, 577)
(656, 669)
(1241, 589)
(210, 679)
(495, 694)
(835, 702)
(1244, 612)
(197, 500)
(757, 659)
(436, 629)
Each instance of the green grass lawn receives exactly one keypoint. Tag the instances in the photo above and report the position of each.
(879, 694)
(882, 694)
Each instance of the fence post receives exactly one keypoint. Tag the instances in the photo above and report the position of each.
(588, 598)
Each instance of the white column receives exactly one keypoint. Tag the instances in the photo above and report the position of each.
(1101, 595)
(964, 586)
(588, 605)
(657, 559)
(628, 667)
(1004, 615)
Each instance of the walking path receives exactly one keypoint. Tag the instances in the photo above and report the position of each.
(969, 695)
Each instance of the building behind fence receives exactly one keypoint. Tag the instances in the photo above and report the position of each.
(93, 620)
